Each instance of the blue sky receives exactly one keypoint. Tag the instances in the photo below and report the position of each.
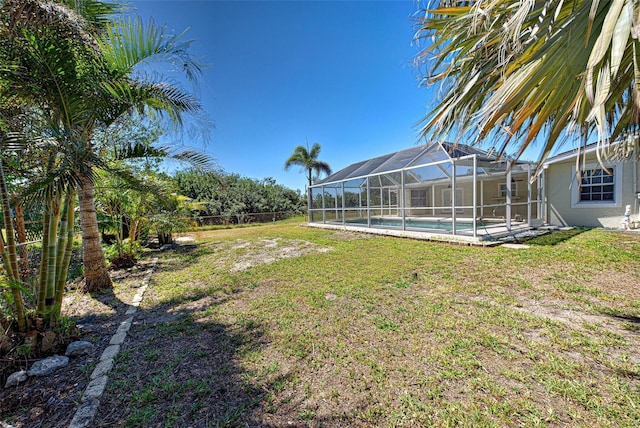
(280, 72)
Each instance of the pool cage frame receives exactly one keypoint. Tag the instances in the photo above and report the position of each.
(410, 190)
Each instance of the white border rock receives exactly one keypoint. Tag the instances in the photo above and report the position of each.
(86, 413)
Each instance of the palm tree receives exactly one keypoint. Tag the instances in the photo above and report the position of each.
(9, 255)
(524, 71)
(79, 66)
(308, 160)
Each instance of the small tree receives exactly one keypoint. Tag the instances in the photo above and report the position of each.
(55, 188)
(308, 160)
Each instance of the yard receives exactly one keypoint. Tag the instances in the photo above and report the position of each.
(283, 325)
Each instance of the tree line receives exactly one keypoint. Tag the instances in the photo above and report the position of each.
(233, 197)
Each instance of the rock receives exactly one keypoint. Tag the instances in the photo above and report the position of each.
(516, 246)
(79, 347)
(48, 341)
(48, 365)
(110, 352)
(85, 414)
(95, 389)
(15, 378)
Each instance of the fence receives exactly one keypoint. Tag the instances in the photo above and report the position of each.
(33, 230)
(243, 218)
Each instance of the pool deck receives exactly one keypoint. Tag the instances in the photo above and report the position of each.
(486, 236)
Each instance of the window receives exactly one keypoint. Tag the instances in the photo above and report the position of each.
(419, 198)
(594, 187)
(597, 185)
(502, 191)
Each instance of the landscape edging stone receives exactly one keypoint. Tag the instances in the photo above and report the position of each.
(86, 412)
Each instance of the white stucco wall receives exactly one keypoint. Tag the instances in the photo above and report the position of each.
(564, 209)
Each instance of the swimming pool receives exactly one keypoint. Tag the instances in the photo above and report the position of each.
(413, 223)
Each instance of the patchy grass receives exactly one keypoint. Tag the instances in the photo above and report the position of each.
(282, 325)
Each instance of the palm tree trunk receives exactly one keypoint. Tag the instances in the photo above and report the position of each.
(9, 257)
(52, 254)
(133, 236)
(66, 242)
(44, 250)
(44, 259)
(22, 238)
(96, 275)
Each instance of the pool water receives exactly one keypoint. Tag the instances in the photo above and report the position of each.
(413, 223)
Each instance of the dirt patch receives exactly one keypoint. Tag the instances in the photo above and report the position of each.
(586, 323)
(350, 236)
(247, 254)
(557, 311)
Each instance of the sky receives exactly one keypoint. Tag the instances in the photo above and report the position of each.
(281, 73)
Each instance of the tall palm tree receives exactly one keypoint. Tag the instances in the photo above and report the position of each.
(519, 71)
(78, 65)
(308, 160)
(125, 45)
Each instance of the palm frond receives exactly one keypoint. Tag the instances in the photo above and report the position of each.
(129, 42)
(513, 71)
(160, 97)
(38, 15)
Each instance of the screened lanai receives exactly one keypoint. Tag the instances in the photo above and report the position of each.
(431, 189)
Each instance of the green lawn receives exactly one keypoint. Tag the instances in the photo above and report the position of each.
(283, 325)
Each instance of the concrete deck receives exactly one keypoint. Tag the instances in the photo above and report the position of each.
(494, 234)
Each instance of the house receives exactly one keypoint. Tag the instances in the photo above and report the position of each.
(430, 191)
(595, 197)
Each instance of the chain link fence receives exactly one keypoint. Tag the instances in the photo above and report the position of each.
(243, 218)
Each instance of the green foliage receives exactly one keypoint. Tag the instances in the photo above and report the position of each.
(66, 327)
(308, 160)
(233, 196)
(24, 349)
(127, 246)
(67, 80)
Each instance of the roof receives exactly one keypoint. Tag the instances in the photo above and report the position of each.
(623, 149)
(418, 155)
(571, 153)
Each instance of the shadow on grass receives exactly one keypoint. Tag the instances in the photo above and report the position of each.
(556, 237)
(630, 322)
(628, 318)
(180, 367)
(184, 364)
(176, 369)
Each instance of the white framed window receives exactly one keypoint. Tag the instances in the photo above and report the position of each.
(502, 190)
(595, 186)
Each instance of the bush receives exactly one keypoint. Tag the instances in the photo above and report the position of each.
(123, 261)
